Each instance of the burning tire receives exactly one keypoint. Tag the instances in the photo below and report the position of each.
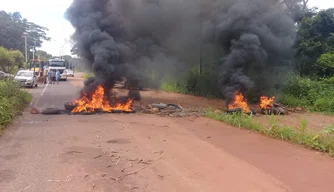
(251, 112)
(70, 106)
(274, 111)
(232, 111)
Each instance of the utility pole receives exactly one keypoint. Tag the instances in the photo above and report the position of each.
(61, 51)
(200, 41)
(33, 55)
(25, 48)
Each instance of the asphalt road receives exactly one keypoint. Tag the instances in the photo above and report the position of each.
(139, 152)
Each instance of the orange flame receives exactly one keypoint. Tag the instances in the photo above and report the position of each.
(98, 101)
(239, 102)
(266, 102)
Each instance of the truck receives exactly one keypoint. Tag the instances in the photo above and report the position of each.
(37, 66)
(57, 64)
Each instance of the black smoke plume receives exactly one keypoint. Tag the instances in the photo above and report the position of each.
(257, 35)
(126, 38)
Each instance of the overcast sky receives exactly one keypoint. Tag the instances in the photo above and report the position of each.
(50, 14)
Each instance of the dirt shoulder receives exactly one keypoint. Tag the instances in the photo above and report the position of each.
(315, 121)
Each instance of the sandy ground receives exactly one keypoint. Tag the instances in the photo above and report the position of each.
(141, 152)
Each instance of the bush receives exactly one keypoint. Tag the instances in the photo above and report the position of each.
(12, 101)
(204, 84)
(316, 95)
(88, 75)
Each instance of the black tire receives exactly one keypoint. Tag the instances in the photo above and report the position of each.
(174, 105)
(36, 85)
(251, 112)
(32, 85)
(232, 111)
(50, 111)
(69, 106)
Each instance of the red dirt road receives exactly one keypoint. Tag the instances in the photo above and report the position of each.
(148, 153)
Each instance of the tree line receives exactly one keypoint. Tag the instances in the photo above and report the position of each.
(14, 31)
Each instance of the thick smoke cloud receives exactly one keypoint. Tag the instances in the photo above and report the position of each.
(131, 38)
(257, 35)
(126, 38)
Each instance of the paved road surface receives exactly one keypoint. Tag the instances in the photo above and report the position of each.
(148, 153)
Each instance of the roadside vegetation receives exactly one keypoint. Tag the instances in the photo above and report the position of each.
(12, 101)
(14, 31)
(322, 141)
(314, 95)
(88, 75)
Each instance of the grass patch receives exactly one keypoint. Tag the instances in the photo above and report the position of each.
(322, 141)
(88, 75)
(195, 83)
(173, 87)
(12, 101)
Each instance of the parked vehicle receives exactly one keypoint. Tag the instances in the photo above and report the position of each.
(57, 64)
(69, 72)
(4, 75)
(26, 78)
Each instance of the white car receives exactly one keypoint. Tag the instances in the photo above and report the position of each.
(4, 75)
(69, 72)
(26, 78)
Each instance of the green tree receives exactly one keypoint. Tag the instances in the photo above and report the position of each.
(36, 34)
(43, 55)
(14, 28)
(326, 60)
(315, 37)
(6, 60)
(10, 60)
(17, 59)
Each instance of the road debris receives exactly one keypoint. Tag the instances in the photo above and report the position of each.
(25, 188)
(68, 178)
(34, 111)
(135, 172)
(171, 110)
(97, 156)
(118, 160)
(115, 179)
(159, 152)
